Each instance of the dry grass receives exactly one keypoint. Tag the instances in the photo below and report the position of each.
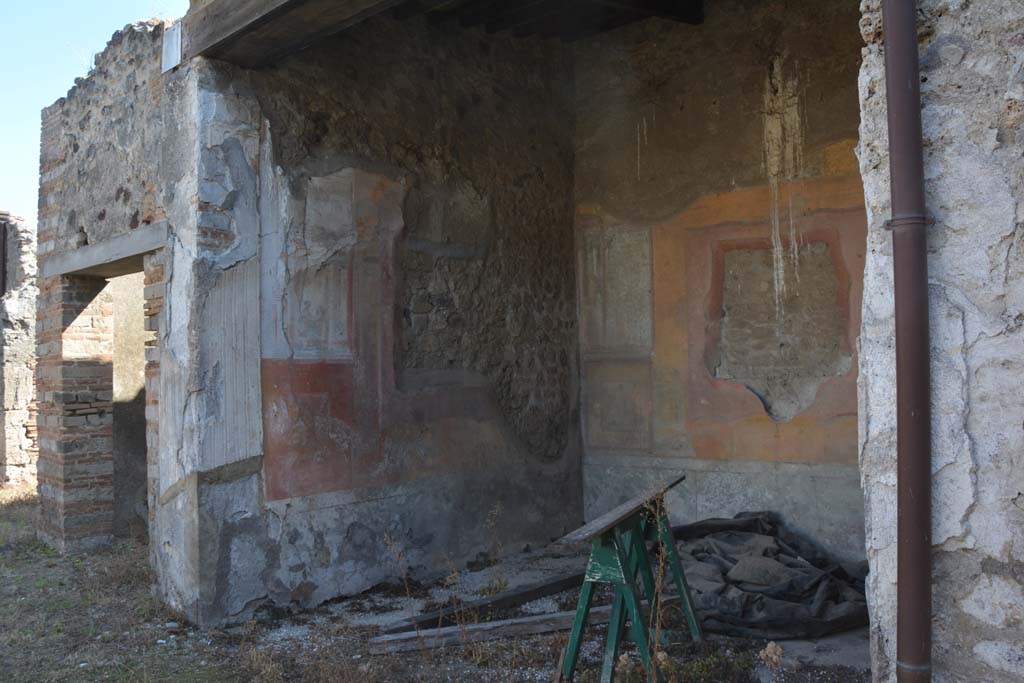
(85, 618)
(79, 619)
(17, 521)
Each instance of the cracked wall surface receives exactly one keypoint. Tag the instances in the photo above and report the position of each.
(782, 359)
(972, 89)
(720, 245)
(18, 353)
(117, 156)
(308, 435)
(418, 335)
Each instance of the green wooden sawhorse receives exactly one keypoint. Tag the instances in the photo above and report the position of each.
(618, 556)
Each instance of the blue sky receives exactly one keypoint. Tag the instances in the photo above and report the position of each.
(44, 46)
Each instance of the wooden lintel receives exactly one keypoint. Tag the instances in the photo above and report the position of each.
(253, 33)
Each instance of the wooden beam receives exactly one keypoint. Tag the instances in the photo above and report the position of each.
(575, 19)
(489, 630)
(687, 11)
(253, 33)
(410, 8)
(600, 20)
(526, 11)
(512, 598)
(473, 12)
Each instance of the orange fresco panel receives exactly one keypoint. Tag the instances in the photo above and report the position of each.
(722, 419)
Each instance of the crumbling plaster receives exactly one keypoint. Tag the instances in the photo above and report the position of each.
(293, 215)
(695, 145)
(972, 87)
(388, 443)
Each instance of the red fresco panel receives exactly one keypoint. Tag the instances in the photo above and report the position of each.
(309, 427)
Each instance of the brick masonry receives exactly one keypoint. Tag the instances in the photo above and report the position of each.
(75, 391)
(75, 315)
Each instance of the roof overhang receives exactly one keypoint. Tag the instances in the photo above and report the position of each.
(254, 33)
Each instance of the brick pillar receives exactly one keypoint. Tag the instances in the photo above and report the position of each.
(75, 335)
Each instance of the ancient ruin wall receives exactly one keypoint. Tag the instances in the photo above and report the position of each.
(107, 136)
(18, 354)
(480, 135)
(393, 270)
(117, 157)
(972, 86)
(720, 231)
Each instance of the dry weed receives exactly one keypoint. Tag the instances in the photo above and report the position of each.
(259, 666)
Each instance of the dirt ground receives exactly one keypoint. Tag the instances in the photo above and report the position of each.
(94, 618)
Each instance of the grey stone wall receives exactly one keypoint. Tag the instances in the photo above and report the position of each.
(972, 83)
(18, 448)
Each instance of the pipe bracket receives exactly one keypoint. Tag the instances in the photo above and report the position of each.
(908, 221)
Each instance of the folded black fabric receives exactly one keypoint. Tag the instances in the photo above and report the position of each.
(752, 577)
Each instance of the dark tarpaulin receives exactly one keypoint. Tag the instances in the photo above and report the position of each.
(752, 577)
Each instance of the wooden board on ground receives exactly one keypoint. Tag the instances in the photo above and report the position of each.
(488, 630)
(512, 598)
(616, 515)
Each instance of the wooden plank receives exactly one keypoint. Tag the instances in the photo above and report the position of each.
(252, 33)
(475, 12)
(618, 514)
(525, 12)
(413, 7)
(213, 26)
(688, 11)
(599, 20)
(512, 598)
(488, 630)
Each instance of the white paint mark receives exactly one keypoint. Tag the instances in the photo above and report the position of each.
(794, 241)
(783, 161)
(638, 151)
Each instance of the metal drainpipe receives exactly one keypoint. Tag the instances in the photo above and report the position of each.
(913, 381)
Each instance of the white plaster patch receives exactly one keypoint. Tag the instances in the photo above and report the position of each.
(974, 194)
(996, 601)
(1002, 656)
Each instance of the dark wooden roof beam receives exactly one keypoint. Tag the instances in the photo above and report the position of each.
(687, 11)
(598, 20)
(524, 13)
(252, 33)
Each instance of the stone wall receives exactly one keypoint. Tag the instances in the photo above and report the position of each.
(720, 236)
(113, 160)
(972, 86)
(17, 356)
(365, 341)
(417, 341)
